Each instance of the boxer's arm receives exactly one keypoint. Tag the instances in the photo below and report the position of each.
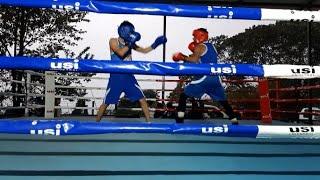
(159, 40)
(114, 46)
(143, 49)
(196, 55)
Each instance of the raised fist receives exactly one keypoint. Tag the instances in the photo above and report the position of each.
(178, 56)
(160, 40)
(192, 46)
(132, 39)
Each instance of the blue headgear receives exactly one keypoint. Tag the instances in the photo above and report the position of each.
(125, 29)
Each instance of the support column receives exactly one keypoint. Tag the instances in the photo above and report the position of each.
(266, 117)
(27, 98)
(49, 94)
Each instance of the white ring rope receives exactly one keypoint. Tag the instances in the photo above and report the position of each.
(77, 87)
(92, 97)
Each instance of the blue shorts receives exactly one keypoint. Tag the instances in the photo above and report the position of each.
(119, 83)
(210, 85)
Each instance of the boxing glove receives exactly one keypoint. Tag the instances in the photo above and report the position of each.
(132, 39)
(192, 46)
(160, 40)
(178, 57)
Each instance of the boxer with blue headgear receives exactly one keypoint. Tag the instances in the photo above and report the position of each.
(125, 29)
(121, 48)
(127, 33)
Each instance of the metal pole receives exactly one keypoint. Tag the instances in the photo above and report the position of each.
(164, 58)
(49, 94)
(310, 61)
(27, 81)
(92, 111)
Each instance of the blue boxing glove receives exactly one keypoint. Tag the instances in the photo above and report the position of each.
(160, 40)
(132, 39)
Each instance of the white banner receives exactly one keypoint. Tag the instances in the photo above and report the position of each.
(296, 15)
(312, 132)
(291, 71)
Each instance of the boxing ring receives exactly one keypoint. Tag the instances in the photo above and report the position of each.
(141, 156)
(79, 148)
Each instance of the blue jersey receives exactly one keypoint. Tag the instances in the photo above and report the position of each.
(115, 57)
(210, 85)
(119, 83)
(210, 55)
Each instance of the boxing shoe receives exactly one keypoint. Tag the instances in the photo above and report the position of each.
(234, 121)
(180, 117)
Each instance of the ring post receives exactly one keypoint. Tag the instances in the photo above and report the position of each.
(266, 117)
(49, 95)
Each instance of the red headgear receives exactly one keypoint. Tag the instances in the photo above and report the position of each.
(200, 35)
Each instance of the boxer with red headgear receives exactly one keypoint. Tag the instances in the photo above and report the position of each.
(202, 52)
(200, 35)
(121, 48)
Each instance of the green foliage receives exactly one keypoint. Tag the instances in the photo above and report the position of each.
(180, 85)
(126, 103)
(152, 94)
(39, 33)
(149, 93)
(279, 43)
(74, 81)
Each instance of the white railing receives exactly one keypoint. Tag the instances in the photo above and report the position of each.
(27, 94)
(51, 88)
(50, 92)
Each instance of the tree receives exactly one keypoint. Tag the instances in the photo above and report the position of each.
(39, 33)
(74, 80)
(279, 43)
(126, 103)
(150, 94)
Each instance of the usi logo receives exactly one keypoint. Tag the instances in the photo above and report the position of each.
(303, 70)
(69, 66)
(215, 130)
(301, 129)
(57, 5)
(226, 14)
(49, 131)
(226, 70)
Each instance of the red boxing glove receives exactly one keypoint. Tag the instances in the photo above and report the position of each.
(192, 46)
(178, 56)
